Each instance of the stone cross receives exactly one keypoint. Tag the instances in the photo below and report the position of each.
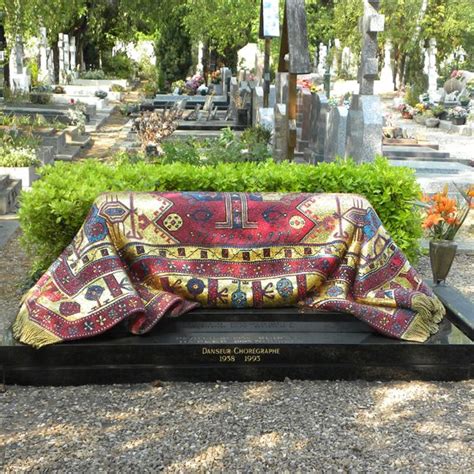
(43, 50)
(386, 76)
(19, 54)
(67, 64)
(335, 50)
(200, 65)
(61, 57)
(370, 25)
(72, 54)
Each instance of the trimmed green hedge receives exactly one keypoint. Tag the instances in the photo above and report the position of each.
(53, 211)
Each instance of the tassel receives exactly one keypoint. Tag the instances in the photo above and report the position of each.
(429, 313)
(28, 332)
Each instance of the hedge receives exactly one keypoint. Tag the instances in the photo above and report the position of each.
(53, 211)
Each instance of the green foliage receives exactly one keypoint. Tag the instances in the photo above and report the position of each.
(95, 74)
(53, 211)
(119, 66)
(257, 134)
(17, 157)
(173, 47)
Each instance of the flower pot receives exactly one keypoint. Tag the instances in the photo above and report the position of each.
(443, 115)
(442, 253)
(464, 103)
(242, 117)
(432, 122)
(459, 120)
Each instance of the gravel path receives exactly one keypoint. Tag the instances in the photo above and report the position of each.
(240, 427)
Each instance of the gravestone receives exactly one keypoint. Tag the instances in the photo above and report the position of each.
(322, 63)
(257, 103)
(62, 75)
(386, 76)
(72, 56)
(280, 142)
(226, 75)
(365, 119)
(305, 102)
(43, 75)
(200, 64)
(294, 59)
(335, 55)
(19, 78)
(430, 67)
(336, 134)
(247, 58)
(67, 68)
(281, 87)
(318, 126)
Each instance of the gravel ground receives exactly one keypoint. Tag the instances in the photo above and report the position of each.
(240, 427)
(293, 426)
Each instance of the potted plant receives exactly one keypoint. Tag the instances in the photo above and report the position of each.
(440, 112)
(418, 113)
(444, 217)
(216, 81)
(464, 100)
(458, 115)
(406, 111)
(430, 120)
(242, 112)
(19, 163)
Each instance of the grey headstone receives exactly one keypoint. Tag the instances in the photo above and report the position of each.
(336, 133)
(318, 131)
(364, 128)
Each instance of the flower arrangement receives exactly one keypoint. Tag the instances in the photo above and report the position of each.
(18, 157)
(192, 84)
(444, 215)
(419, 108)
(456, 75)
(216, 77)
(304, 84)
(406, 111)
(178, 86)
(77, 114)
(458, 112)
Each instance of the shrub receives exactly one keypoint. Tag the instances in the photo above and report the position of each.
(257, 134)
(95, 74)
(53, 211)
(119, 66)
(117, 88)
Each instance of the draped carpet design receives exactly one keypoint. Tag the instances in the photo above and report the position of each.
(141, 256)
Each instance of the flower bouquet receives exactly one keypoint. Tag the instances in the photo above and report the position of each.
(444, 217)
(192, 84)
(406, 111)
(458, 115)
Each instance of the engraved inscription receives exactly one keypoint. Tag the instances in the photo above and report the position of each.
(249, 355)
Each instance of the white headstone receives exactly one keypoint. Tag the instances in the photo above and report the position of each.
(200, 65)
(72, 55)
(67, 65)
(386, 76)
(43, 49)
(19, 77)
(322, 63)
(247, 57)
(62, 75)
(430, 65)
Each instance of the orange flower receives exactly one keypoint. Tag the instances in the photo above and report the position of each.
(452, 220)
(431, 220)
(446, 205)
(470, 191)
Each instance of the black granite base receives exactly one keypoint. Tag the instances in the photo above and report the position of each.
(243, 345)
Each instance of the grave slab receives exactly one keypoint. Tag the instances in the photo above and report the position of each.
(246, 345)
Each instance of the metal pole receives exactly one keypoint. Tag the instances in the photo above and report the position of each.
(266, 73)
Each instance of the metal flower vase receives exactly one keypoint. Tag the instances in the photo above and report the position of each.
(442, 253)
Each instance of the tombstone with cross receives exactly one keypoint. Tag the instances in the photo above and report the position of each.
(365, 119)
(294, 60)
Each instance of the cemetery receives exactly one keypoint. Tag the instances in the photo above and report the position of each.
(260, 211)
